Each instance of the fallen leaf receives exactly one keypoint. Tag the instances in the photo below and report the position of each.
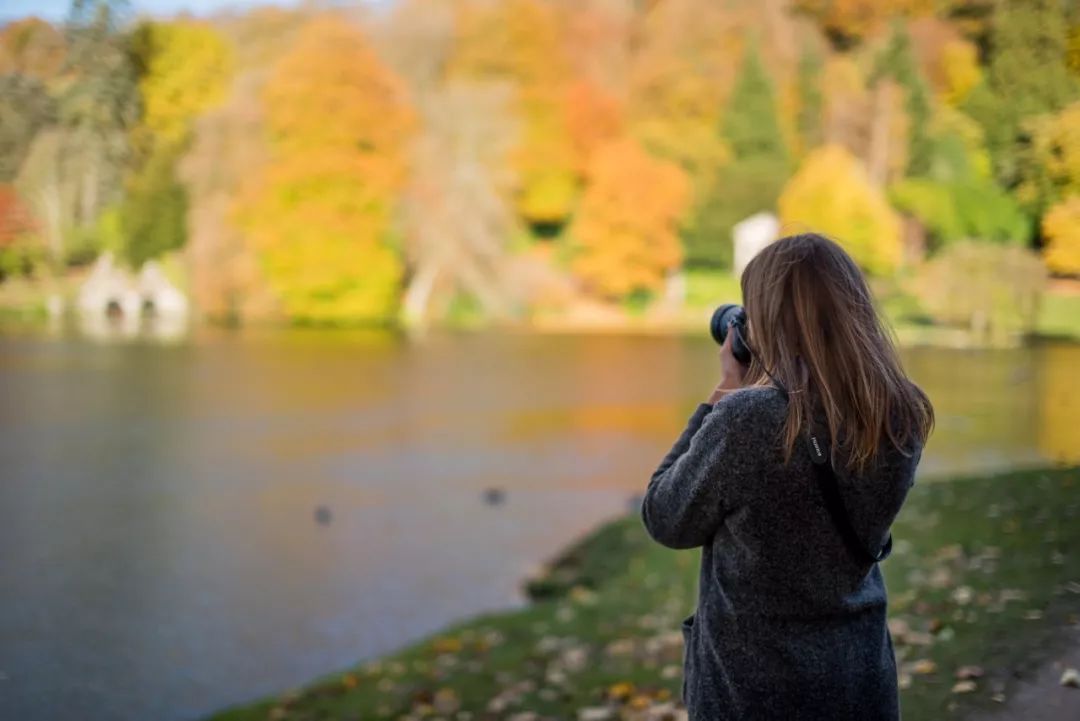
(446, 644)
(923, 667)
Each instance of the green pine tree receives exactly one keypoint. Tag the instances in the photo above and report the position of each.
(897, 62)
(153, 215)
(99, 106)
(750, 124)
(752, 181)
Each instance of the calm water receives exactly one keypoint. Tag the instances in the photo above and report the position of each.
(159, 551)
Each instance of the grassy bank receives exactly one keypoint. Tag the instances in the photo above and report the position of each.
(984, 572)
(24, 302)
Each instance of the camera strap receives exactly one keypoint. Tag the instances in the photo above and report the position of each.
(834, 503)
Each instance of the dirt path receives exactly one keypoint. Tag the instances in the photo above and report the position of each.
(1039, 695)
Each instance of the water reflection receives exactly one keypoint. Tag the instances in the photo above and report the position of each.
(1059, 402)
(162, 554)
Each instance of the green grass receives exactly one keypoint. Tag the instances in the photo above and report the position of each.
(710, 288)
(1060, 315)
(984, 571)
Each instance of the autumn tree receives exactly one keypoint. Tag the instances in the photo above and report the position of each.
(417, 39)
(624, 237)
(338, 123)
(752, 180)
(1061, 227)
(599, 40)
(593, 116)
(227, 149)
(18, 249)
(1049, 165)
(72, 169)
(681, 77)
(832, 194)
(847, 22)
(457, 220)
(184, 68)
(960, 70)
(518, 42)
(32, 48)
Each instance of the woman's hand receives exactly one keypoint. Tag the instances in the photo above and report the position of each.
(731, 371)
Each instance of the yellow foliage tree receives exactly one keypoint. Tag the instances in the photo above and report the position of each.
(683, 71)
(832, 194)
(960, 71)
(320, 217)
(519, 42)
(1054, 165)
(187, 67)
(1061, 226)
(624, 237)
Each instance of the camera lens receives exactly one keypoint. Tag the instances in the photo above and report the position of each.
(721, 319)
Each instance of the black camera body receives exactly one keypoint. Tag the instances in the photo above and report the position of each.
(726, 317)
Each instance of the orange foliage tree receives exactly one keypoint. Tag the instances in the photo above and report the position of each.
(32, 47)
(592, 117)
(339, 122)
(15, 219)
(624, 237)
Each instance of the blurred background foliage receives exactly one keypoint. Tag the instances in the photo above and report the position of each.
(425, 161)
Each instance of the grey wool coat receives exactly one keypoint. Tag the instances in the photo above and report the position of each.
(789, 625)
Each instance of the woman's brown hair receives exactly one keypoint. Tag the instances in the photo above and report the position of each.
(814, 328)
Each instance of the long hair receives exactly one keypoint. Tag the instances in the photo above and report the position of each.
(813, 325)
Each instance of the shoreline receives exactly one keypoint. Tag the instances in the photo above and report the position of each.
(23, 304)
(907, 335)
(599, 637)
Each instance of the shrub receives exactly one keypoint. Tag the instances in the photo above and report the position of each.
(993, 290)
(953, 211)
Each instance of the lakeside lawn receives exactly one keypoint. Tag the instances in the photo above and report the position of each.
(23, 303)
(984, 573)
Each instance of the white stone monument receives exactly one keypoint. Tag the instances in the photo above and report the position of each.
(750, 236)
(158, 293)
(112, 304)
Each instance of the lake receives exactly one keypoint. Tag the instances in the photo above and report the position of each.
(192, 525)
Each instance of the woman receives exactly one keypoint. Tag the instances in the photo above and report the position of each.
(790, 619)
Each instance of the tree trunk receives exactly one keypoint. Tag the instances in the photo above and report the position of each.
(418, 294)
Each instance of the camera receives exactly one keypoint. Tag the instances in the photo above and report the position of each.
(726, 317)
